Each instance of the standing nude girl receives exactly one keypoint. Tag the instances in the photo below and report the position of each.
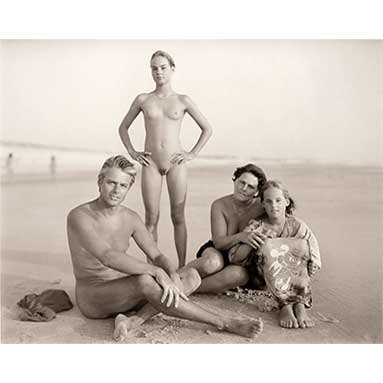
(163, 112)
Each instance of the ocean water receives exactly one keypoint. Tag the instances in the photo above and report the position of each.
(38, 160)
(34, 160)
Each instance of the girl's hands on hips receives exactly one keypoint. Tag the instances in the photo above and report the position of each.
(182, 156)
(141, 157)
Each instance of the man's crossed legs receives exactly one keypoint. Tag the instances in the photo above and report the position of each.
(122, 295)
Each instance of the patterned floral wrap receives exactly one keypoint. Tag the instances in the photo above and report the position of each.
(283, 259)
(284, 262)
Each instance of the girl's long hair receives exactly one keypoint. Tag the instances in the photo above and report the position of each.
(278, 185)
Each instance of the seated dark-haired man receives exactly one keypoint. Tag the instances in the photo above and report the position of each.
(229, 215)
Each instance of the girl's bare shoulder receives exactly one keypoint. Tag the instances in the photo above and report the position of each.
(184, 99)
(142, 97)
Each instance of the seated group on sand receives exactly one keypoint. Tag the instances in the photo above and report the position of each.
(256, 242)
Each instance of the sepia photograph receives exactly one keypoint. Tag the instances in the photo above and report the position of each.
(191, 191)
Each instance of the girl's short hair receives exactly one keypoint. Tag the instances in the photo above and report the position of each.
(165, 55)
(278, 185)
(254, 170)
(119, 162)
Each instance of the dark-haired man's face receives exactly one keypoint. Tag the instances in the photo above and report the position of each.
(245, 186)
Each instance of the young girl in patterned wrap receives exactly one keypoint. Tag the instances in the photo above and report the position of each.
(289, 257)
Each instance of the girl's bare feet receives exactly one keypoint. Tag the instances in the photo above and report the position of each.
(304, 320)
(287, 318)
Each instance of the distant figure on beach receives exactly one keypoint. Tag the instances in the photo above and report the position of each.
(53, 166)
(110, 282)
(9, 164)
(289, 256)
(163, 110)
(228, 214)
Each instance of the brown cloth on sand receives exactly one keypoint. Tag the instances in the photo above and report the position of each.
(43, 307)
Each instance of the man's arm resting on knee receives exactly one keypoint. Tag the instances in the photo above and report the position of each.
(81, 229)
(170, 269)
(146, 243)
(163, 262)
(170, 280)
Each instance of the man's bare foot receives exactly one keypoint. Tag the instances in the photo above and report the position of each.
(123, 325)
(248, 328)
(287, 318)
(304, 320)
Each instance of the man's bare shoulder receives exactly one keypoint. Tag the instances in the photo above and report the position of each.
(129, 213)
(222, 202)
(84, 214)
(79, 212)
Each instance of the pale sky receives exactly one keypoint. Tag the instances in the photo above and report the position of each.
(282, 99)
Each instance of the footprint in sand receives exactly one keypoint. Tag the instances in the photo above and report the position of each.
(328, 319)
(25, 338)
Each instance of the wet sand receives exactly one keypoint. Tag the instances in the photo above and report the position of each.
(343, 206)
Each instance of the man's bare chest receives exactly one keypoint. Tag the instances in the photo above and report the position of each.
(238, 220)
(116, 234)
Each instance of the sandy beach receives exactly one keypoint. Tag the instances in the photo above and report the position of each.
(342, 205)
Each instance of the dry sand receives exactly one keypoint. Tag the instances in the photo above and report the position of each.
(343, 206)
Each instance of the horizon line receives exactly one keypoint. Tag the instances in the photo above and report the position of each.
(202, 157)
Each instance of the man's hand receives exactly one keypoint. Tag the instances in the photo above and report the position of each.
(180, 157)
(177, 281)
(141, 157)
(255, 240)
(171, 291)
